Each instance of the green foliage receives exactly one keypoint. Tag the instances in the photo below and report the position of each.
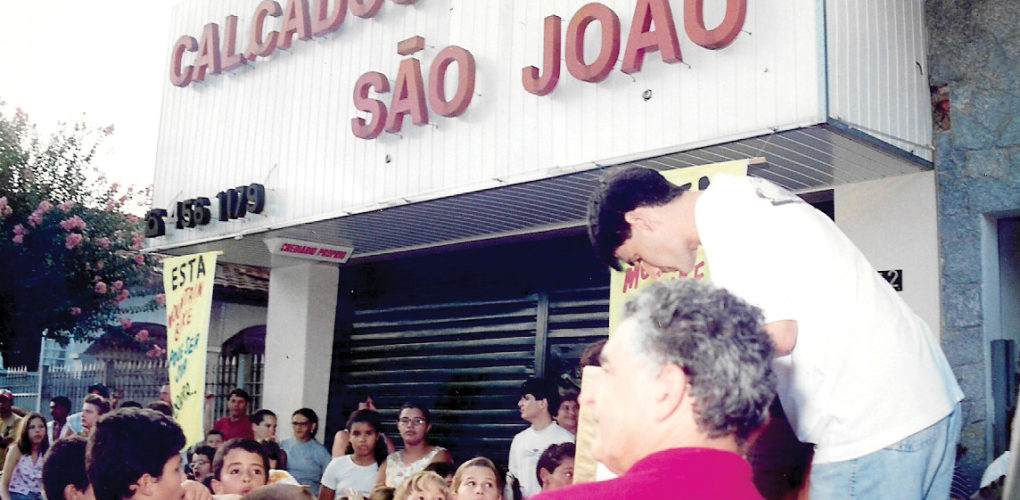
(69, 253)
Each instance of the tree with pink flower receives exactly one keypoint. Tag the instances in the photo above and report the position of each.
(69, 248)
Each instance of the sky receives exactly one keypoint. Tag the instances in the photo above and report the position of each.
(103, 61)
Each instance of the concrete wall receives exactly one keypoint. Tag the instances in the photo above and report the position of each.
(893, 222)
(974, 50)
(227, 319)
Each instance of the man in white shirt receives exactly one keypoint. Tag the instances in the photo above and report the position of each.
(860, 375)
(539, 399)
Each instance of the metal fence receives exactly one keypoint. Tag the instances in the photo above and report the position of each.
(137, 380)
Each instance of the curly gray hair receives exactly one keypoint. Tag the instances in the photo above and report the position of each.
(719, 342)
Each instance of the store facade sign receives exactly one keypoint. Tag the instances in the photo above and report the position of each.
(309, 250)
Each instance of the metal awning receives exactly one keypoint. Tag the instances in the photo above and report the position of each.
(801, 160)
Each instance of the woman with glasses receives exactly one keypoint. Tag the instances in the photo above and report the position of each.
(414, 424)
(306, 457)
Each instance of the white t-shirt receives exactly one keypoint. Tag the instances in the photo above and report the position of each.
(527, 448)
(866, 372)
(343, 473)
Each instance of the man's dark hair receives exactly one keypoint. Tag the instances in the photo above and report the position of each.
(214, 431)
(249, 445)
(443, 468)
(64, 464)
(543, 388)
(101, 403)
(241, 393)
(129, 404)
(62, 401)
(24, 442)
(620, 191)
(128, 444)
(259, 416)
(552, 457)
(101, 389)
(162, 407)
(202, 449)
(718, 341)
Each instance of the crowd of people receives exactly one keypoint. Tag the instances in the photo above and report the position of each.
(682, 388)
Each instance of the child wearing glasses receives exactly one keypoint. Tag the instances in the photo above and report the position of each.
(414, 424)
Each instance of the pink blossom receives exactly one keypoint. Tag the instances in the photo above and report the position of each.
(5, 208)
(115, 186)
(103, 242)
(35, 219)
(122, 199)
(142, 335)
(121, 297)
(156, 352)
(19, 229)
(126, 322)
(100, 265)
(161, 299)
(45, 206)
(66, 206)
(134, 219)
(117, 285)
(73, 223)
(18, 239)
(100, 288)
(139, 259)
(72, 240)
(110, 206)
(75, 311)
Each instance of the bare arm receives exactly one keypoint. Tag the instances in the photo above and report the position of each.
(340, 441)
(326, 493)
(783, 334)
(442, 457)
(13, 455)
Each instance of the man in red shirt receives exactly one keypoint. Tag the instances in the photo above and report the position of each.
(685, 379)
(237, 424)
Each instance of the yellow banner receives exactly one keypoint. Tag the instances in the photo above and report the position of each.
(625, 284)
(188, 284)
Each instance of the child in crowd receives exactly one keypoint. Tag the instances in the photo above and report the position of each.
(566, 415)
(280, 491)
(239, 467)
(479, 479)
(63, 471)
(446, 470)
(136, 454)
(423, 485)
(357, 472)
(556, 467)
(342, 437)
(200, 463)
(214, 439)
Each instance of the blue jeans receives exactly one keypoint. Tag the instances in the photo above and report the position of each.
(920, 466)
(35, 495)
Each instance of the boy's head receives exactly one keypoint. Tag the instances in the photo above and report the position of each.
(92, 408)
(280, 491)
(539, 397)
(63, 472)
(240, 466)
(214, 439)
(135, 453)
(201, 462)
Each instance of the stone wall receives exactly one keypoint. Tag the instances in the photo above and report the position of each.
(974, 51)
